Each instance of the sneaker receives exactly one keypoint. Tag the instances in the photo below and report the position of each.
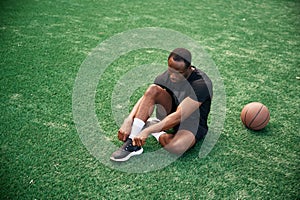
(151, 121)
(126, 151)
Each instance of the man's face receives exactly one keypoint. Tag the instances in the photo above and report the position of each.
(177, 70)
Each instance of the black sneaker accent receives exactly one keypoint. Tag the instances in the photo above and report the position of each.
(126, 151)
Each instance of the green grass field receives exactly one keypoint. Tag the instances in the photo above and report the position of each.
(255, 45)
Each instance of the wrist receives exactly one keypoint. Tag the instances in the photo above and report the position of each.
(145, 132)
(128, 119)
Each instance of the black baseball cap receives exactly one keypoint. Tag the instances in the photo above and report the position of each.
(184, 53)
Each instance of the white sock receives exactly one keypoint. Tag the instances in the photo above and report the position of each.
(136, 128)
(157, 135)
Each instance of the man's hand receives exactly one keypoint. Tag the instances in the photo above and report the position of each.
(125, 130)
(140, 140)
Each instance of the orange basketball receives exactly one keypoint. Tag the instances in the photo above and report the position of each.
(255, 116)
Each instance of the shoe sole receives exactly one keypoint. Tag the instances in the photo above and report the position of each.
(134, 153)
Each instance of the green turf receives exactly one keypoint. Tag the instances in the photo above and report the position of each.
(255, 45)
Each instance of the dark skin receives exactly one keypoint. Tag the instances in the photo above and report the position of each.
(175, 143)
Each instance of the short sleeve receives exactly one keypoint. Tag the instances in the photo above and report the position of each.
(201, 90)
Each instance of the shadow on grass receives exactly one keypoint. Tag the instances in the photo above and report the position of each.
(269, 130)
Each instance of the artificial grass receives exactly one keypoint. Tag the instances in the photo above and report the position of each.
(255, 45)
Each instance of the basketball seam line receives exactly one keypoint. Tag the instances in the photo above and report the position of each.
(255, 115)
(245, 117)
(263, 121)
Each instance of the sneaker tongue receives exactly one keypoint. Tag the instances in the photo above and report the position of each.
(131, 148)
(127, 143)
(127, 146)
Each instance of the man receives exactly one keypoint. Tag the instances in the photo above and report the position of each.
(182, 96)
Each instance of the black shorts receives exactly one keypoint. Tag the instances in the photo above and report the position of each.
(191, 123)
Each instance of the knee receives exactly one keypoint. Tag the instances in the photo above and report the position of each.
(152, 91)
(176, 148)
(171, 145)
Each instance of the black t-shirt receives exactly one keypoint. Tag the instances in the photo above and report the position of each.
(198, 86)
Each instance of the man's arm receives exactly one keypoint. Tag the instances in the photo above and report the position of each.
(184, 110)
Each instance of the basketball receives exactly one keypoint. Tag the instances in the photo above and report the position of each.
(255, 116)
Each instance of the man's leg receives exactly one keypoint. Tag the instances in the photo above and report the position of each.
(178, 143)
(153, 95)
